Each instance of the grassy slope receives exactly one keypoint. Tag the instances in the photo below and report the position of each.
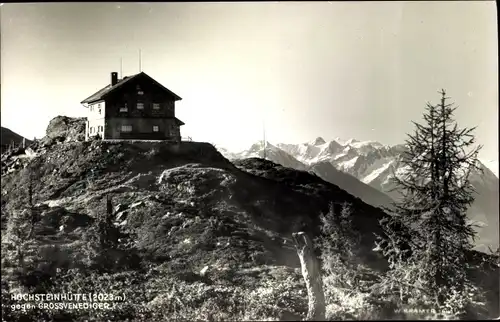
(273, 198)
(196, 210)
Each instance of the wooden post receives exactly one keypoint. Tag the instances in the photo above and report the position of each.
(311, 271)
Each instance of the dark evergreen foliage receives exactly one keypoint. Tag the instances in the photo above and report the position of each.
(427, 235)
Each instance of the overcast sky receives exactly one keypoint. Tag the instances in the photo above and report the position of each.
(359, 70)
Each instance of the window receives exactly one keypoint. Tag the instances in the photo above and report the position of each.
(140, 106)
(140, 93)
(156, 128)
(91, 129)
(156, 106)
(124, 108)
(126, 128)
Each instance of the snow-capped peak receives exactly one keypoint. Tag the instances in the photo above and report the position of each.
(350, 142)
(375, 164)
(318, 141)
(331, 147)
(259, 145)
(358, 144)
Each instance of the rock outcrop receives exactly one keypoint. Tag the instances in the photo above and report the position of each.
(66, 129)
(60, 129)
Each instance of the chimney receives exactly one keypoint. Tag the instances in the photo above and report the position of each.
(114, 78)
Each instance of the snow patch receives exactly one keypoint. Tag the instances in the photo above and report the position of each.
(377, 172)
(358, 144)
(345, 165)
(340, 155)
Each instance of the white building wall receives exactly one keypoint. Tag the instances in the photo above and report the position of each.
(95, 119)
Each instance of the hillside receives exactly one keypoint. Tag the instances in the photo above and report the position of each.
(268, 151)
(323, 169)
(8, 137)
(188, 210)
(200, 235)
(76, 177)
(372, 164)
(368, 194)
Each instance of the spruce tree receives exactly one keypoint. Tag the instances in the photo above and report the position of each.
(427, 236)
(101, 238)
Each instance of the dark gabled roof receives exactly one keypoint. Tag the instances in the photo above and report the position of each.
(99, 95)
(107, 89)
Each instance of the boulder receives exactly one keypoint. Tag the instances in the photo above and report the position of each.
(30, 152)
(203, 271)
(121, 207)
(121, 215)
(137, 204)
(65, 129)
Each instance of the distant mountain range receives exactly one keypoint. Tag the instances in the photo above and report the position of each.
(364, 169)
